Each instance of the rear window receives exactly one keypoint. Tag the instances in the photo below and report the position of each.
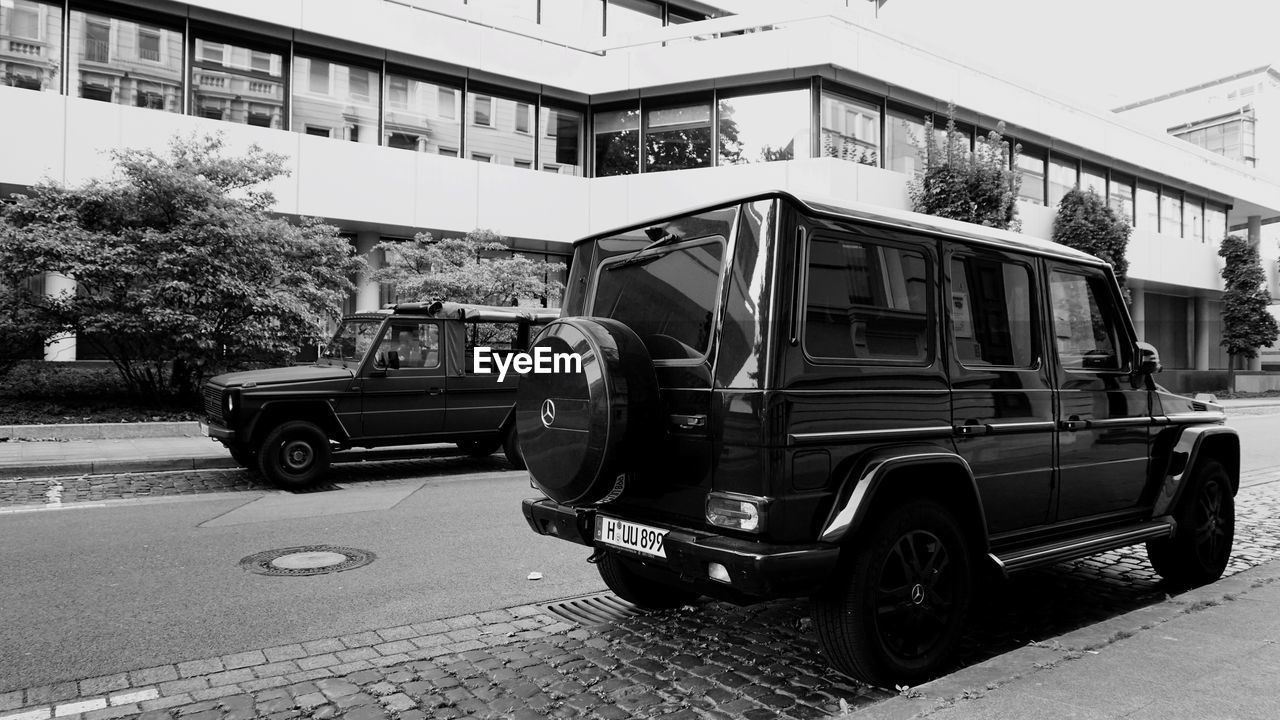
(866, 302)
(668, 298)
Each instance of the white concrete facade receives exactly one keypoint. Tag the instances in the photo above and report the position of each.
(377, 191)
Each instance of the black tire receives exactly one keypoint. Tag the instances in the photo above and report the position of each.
(888, 620)
(625, 579)
(1198, 552)
(294, 455)
(511, 448)
(244, 456)
(479, 448)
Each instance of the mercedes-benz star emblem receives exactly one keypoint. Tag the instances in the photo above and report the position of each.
(917, 594)
(548, 412)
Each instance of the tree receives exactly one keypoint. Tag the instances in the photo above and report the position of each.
(471, 269)
(1246, 324)
(1087, 223)
(978, 187)
(180, 269)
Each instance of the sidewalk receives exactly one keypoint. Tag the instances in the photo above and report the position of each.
(1213, 652)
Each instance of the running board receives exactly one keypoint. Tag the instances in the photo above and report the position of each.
(1029, 557)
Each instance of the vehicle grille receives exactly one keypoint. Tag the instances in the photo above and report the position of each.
(213, 402)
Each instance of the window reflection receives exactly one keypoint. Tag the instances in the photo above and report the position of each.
(495, 133)
(1193, 218)
(237, 84)
(617, 142)
(560, 145)
(125, 62)
(1121, 197)
(1094, 178)
(1147, 211)
(1064, 175)
(422, 116)
(764, 128)
(900, 128)
(335, 100)
(1215, 222)
(1171, 212)
(1031, 167)
(30, 45)
(677, 138)
(850, 129)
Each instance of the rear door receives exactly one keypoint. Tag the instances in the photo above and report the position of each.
(1002, 397)
(1103, 421)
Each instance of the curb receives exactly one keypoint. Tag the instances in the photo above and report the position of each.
(102, 431)
(976, 680)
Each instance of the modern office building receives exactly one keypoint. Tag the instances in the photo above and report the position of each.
(546, 120)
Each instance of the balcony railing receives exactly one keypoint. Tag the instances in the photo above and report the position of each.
(97, 50)
(24, 48)
(152, 54)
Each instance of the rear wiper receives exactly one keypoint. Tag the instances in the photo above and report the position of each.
(658, 238)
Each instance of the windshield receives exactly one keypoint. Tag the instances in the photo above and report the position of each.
(352, 341)
(668, 298)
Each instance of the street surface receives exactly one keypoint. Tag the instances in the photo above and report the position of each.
(146, 595)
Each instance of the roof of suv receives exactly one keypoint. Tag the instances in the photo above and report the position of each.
(901, 219)
(466, 311)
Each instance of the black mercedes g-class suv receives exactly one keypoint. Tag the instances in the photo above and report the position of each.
(785, 397)
(402, 375)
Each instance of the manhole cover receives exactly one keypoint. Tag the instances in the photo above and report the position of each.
(593, 609)
(307, 560)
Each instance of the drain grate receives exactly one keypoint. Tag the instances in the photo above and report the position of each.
(306, 560)
(593, 609)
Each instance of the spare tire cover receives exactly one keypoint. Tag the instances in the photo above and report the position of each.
(579, 431)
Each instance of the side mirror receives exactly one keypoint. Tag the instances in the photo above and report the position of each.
(1148, 359)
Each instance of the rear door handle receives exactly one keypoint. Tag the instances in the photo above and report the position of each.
(435, 391)
(1074, 423)
(971, 428)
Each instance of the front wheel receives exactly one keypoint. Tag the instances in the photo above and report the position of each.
(896, 612)
(294, 455)
(624, 577)
(1200, 548)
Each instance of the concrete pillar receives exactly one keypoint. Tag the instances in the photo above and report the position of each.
(367, 291)
(1138, 311)
(1203, 333)
(63, 347)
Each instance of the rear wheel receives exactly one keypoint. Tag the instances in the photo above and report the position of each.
(1201, 547)
(511, 448)
(479, 448)
(897, 611)
(624, 577)
(294, 455)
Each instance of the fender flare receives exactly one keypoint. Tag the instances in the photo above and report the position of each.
(272, 406)
(1183, 457)
(866, 481)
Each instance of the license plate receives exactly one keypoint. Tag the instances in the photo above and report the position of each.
(204, 430)
(631, 536)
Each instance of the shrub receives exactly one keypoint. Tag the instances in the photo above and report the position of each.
(1087, 223)
(978, 187)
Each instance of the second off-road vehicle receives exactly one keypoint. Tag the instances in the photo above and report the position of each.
(402, 375)
(785, 397)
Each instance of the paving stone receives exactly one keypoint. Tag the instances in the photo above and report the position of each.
(359, 640)
(11, 700)
(230, 677)
(271, 670)
(153, 676)
(195, 668)
(317, 647)
(177, 687)
(398, 703)
(243, 660)
(101, 685)
(318, 661)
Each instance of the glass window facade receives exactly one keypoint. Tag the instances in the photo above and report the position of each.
(31, 45)
(125, 62)
(1231, 137)
(335, 100)
(1120, 196)
(1147, 210)
(850, 129)
(560, 142)
(676, 138)
(1064, 174)
(899, 129)
(237, 83)
(421, 115)
(1215, 222)
(500, 139)
(1170, 212)
(1031, 167)
(1093, 177)
(617, 142)
(765, 127)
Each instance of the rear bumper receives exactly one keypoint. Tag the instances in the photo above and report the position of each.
(757, 570)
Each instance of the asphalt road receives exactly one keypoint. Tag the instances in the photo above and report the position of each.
(93, 591)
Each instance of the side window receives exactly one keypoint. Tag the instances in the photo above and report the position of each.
(499, 337)
(866, 302)
(418, 344)
(1085, 331)
(991, 308)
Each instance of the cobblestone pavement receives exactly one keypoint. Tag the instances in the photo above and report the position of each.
(711, 660)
